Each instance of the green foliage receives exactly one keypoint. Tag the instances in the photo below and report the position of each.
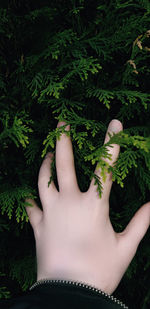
(10, 197)
(16, 132)
(22, 271)
(85, 62)
(4, 293)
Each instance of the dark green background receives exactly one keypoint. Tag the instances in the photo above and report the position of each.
(79, 52)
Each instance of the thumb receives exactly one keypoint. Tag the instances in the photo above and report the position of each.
(33, 211)
(135, 231)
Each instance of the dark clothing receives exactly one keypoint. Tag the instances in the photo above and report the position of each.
(48, 294)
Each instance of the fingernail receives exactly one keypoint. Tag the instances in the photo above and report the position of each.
(115, 126)
(62, 123)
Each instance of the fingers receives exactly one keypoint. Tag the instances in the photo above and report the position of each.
(34, 213)
(134, 232)
(66, 174)
(114, 126)
(46, 193)
(137, 227)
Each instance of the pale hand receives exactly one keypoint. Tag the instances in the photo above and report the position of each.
(74, 236)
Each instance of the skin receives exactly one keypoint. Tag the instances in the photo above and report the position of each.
(74, 236)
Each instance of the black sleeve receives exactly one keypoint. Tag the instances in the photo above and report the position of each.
(59, 297)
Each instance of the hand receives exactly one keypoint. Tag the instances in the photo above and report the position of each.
(74, 236)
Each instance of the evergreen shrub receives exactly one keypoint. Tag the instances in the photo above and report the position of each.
(85, 62)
